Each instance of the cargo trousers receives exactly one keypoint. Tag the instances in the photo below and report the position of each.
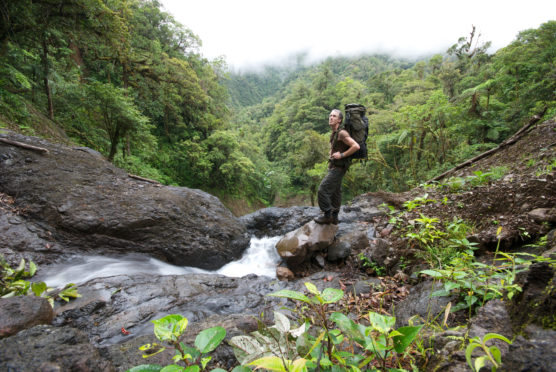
(330, 190)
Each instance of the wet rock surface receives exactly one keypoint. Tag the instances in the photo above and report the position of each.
(87, 332)
(22, 312)
(74, 201)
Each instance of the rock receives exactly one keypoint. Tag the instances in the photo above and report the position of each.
(356, 239)
(90, 206)
(276, 221)
(338, 251)
(131, 301)
(283, 273)
(22, 312)
(48, 348)
(541, 215)
(299, 245)
(532, 353)
(378, 251)
(365, 286)
(419, 302)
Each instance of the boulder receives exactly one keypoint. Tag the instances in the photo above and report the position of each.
(283, 273)
(22, 312)
(299, 245)
(84, 204)
(48, 348)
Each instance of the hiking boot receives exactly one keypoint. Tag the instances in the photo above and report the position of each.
(335, 218)
(324, 219)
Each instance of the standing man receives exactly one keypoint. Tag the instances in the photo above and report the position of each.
(330, 189)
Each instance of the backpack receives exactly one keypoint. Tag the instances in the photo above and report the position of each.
(357, 125)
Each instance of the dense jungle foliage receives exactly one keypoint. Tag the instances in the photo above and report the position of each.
(124, 78)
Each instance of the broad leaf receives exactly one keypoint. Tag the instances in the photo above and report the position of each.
(331, 295)
(349, 327)
(407, 336)
(146, 368)
(381, 323)
(38, 288)
(294, 295)
(281, 322)
(208, 339)
(271, 363)
(170, 327)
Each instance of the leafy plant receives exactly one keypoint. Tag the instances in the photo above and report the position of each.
(492, 353)
(439, 244)
(13, 283)
(417, 202)
(317, 344)
(371, 265)
(169, 330)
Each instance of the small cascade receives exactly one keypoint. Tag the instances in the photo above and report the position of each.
(260, 258)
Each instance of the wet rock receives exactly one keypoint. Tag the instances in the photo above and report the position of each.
(88, 205)
(283, 273)
(108, 304)
(22, 312)
(299, 245)
(419, 302)
(356, 240)
(276, 221)
(532, 353)
(48, 348)
(541, 215)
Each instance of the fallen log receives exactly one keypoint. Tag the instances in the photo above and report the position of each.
(41, 150)
(517, 135)
(143, 179)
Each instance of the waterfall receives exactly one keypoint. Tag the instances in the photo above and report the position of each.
(260, 258)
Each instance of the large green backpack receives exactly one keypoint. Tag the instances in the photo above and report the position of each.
(357, 125)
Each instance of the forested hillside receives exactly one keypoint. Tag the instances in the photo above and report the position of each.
(124, 78)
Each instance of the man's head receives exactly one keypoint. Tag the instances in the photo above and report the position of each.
(335, 119)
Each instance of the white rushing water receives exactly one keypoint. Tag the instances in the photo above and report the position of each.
(260, 258)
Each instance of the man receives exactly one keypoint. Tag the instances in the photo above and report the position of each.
(330, 189)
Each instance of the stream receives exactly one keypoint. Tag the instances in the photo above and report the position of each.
(260, 258)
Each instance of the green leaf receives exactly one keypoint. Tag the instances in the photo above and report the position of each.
(480, 362)
(294, 295)
(170, 327)
(331, 295)
(349, 327)
(433, 273)
(381, 323)
(240, 369)
(146, 368)
(468, 351)
(38, 288)
(208, 339)
(312, 288)
(299, 365)
(407, 336)
(490, 336)
(496, 354)
(271, 363)
(194, 368)
(32, 268)
(281, 322)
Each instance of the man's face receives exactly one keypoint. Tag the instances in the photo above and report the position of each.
(334, 119)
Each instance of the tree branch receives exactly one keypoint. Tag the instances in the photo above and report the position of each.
(42, 150)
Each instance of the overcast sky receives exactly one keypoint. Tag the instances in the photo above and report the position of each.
(248, 33)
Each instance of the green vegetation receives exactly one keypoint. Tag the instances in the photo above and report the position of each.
(13, 283)
(492, 353)
(169, 330)
(325, 340)
(124, 78)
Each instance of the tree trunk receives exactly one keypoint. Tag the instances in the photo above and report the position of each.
(46, 83)
(114, 143)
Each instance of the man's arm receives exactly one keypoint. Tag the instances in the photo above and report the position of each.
(353, 145)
